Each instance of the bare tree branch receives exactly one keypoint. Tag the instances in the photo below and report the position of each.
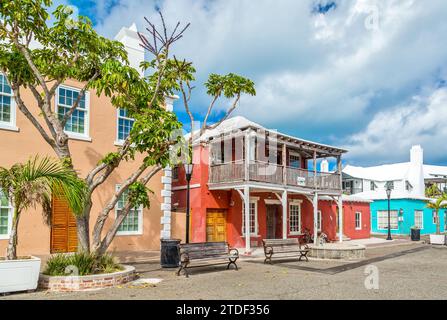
(17, 96)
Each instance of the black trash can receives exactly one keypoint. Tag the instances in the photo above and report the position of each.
(169, 255)
(415, 234)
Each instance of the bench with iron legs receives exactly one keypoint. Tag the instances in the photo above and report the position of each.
(284, 248)
(205, 254)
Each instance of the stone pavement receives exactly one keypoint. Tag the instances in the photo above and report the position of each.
(412, 271)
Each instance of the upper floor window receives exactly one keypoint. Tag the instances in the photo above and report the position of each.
(175, 173)
(294, 160)
(78, 122)
(5, 216)
(7, 109)
(408, 186)
(125, 124)
(389, 184)
(373, 186)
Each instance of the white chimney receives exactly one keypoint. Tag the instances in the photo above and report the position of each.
(416, 171)
(131, 41)
(324, 166)
(169, 102)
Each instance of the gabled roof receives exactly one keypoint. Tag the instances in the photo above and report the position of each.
(396, 171)
(242, 123)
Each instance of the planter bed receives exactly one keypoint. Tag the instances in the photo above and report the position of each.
(90, 282)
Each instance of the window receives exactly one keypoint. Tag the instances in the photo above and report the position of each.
(319, 221)
(358, 221)
(408, 186)
(294, 160)
(253, 218)
(389, 184)
(419, 219)
(7, 109)
(434, 216)
(382, 220)
(175, 173)
(125, 124)
(373, 186)
(5, 216)
(295, 218)
(77, 124)
(133, 222)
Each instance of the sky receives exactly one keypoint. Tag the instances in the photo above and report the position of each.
(369, 76)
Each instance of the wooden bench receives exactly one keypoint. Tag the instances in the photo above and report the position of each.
(206, 254)
(284, 248)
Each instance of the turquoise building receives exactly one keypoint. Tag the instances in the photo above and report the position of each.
(405, 213)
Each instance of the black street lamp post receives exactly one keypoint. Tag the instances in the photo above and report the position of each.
(188, 173)
(388, 194)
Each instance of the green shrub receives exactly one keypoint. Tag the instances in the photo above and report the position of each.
(84, 263)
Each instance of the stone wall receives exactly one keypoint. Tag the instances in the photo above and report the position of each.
(80, 283)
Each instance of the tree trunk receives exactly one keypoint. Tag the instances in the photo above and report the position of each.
(13, 238)
(83, 233)
(438, 223)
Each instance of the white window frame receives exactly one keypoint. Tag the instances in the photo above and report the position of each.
(253, 200)
(140, 220)
(386, 217)
(10, 208)
(74, 135)
(319, 221)
(11, 125)
(421, 218)
(118, 141)
(294, 154)
(359, 215)
(296, 204)
(434, 216)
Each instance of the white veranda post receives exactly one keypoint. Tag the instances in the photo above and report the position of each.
(247, 218)
(340, 219)
(315, 205)
(284, 214)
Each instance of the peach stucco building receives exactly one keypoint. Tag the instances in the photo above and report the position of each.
(95, 130)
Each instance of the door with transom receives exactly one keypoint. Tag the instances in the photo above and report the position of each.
(216, 226)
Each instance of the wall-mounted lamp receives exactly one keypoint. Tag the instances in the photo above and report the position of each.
(231, 203)
(401, 211)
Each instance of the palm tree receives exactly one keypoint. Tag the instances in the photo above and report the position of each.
(35, 182)
(439, 203)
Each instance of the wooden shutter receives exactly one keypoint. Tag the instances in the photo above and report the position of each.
(63, 228)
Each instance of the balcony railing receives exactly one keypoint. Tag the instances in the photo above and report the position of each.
(273, 174)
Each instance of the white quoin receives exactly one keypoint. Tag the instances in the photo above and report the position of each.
(416, 171)
(131, 41)
(324, 166)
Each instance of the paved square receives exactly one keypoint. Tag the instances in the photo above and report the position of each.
(405, 272)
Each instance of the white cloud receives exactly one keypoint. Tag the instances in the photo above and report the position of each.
(322, 77)
(390, 134)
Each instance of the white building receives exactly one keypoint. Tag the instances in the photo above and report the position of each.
(407, 179)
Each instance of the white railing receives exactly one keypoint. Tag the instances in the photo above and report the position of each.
(274, 174)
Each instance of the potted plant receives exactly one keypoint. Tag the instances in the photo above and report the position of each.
(440, 202)
(415, 233)
(24, 186)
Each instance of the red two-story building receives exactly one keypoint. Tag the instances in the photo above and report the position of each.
(250, 183)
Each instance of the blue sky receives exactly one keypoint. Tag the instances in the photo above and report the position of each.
(367, 75)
